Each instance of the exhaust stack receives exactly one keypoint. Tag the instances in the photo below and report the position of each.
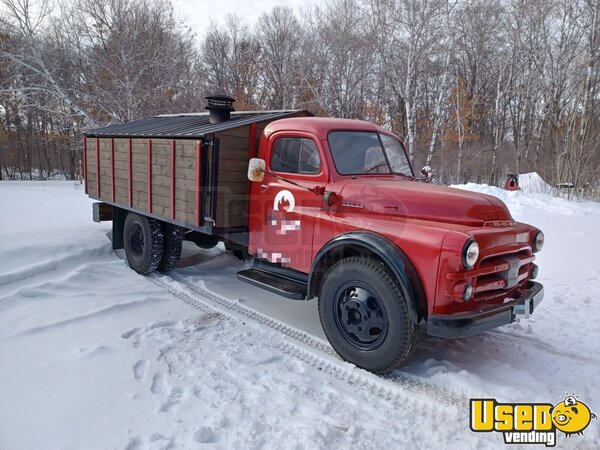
(219, 107)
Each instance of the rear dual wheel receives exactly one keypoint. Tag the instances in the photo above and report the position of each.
(151, 244)
(172, 243)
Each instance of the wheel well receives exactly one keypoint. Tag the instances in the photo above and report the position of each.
(403, 270)
(331, 257)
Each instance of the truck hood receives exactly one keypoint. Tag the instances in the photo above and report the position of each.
(400, 197)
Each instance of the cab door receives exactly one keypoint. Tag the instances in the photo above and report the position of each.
(282, 214)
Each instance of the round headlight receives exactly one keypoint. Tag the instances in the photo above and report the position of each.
(538, 242)
(470, 254)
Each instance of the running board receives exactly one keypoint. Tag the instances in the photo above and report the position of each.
(274, 283)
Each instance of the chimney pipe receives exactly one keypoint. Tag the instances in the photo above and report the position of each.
(219, 107)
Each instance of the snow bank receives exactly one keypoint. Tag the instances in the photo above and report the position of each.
(533, 183)
(535, 196)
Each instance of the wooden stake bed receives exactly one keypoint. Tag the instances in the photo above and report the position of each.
(195, 179)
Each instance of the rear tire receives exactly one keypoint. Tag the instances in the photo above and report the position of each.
(172, 240)
(143, 239)
(364, 315)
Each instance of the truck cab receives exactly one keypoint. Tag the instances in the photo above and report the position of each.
(333, 210)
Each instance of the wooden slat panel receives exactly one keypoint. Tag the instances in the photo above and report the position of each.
(243, 131)
(180, 174)
(161, 151)
(232, 187)
(235, 142)
(237, 165)
(166, 212)
(106, 189)
(140, 200)
(121, 183)
(92, 184)
(161, 143)
(105, 161)
(139, 186)
(91, 147)
(185, 162)
(165, 200)
(139, 177)
(121, 198)
(227, 177)
(138, 147)
(142, 159)
(183, 205)
(186, 148)
(121, 174)
(165, 181)
(185, 196)
(121, 149)
(105, 173)
(91, 167)
(121, 165)
(236, 153)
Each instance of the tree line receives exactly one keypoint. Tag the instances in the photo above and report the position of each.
(477, 89)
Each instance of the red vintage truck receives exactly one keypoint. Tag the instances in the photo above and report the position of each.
(324, 207)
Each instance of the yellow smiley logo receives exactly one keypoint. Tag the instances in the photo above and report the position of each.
(571, 416)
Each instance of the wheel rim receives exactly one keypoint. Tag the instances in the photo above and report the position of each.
(360, 316)
(136, 240)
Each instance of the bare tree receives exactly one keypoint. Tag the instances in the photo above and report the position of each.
(478, 88)
(231, 54)
(25, 20)
(280, 37)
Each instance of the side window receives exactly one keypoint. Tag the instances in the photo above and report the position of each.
(295, 155)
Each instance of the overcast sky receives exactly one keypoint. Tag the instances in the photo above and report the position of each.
(198, 13)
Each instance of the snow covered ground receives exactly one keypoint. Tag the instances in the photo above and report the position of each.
(93, 355)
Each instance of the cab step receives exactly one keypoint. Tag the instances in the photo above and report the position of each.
(275, 283)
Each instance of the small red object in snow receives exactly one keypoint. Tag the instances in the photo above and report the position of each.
(512, 182)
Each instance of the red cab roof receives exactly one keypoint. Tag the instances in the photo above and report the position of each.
(320, 126)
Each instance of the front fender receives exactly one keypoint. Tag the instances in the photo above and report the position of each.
(387, 251)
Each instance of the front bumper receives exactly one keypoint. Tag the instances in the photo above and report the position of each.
(524, 301)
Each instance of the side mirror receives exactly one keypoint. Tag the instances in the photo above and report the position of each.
(256, 169)
(428, 174)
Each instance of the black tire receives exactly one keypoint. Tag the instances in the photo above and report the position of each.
(172, 241)
(143, 239)
(364, 315)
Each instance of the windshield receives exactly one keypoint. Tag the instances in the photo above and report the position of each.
(367, 152)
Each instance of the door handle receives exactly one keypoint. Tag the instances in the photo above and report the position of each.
(264, 187)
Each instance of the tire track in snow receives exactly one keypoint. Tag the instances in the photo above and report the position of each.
(309, 349)
(64, 263)
(110, 309)
(528, 341)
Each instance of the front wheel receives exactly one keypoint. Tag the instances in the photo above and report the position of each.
(364, 315)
